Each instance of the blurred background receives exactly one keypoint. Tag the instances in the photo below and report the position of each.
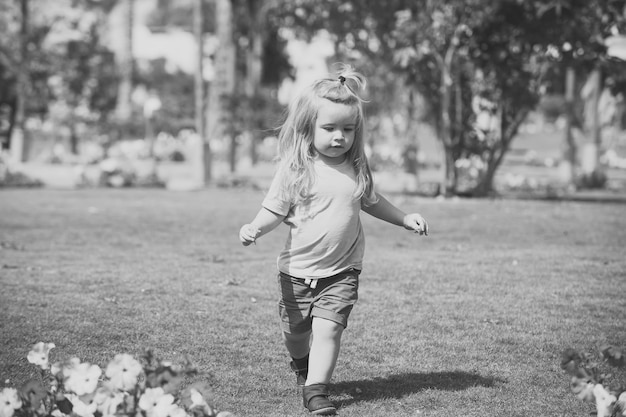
(467, 97)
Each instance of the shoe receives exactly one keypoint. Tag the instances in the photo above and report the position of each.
(316, 400)
(301, 373)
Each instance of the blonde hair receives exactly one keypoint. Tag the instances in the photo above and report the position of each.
(296, 152)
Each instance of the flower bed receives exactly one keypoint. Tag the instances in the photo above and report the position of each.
(589, 383)
(127, 387)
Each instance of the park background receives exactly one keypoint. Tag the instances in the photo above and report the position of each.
(464, 99)
(138, 135)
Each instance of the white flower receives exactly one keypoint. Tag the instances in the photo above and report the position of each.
(108, 399)
(604, 400)
(80, 408)
(64, 368)
(197, 400)
(82, 379)
(123, 371)
(154, 399)
(39, 354)
(169, 410)
(9, 402)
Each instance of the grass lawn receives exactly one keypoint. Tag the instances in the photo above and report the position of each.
(469, 321)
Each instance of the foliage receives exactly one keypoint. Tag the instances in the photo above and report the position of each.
(174, 91)
(71, 75)
(10, 178)
(590, 383)
(258, 114)
(460, 53)
(81, 78)
(168, 13)
(149, 387)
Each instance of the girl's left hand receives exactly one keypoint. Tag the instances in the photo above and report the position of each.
(248, 234)
(416, 222)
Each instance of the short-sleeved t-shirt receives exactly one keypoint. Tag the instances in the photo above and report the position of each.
(325, 232)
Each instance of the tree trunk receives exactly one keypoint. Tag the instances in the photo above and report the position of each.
(18, 140)
(508, 131)
(73, 138)
(223, 85)
(448, 184)
(449, 171)
(571, 151)
(445, 62)
(254, 63)
(123, 106)
(205, 148)
(595, 128)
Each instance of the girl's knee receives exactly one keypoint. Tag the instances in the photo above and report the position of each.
(296, 337)
(327, 327)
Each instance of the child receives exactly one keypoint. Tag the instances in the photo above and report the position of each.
(322, 183)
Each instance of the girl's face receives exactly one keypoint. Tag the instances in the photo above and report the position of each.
(334, 131)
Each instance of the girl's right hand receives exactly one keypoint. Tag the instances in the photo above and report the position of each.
(248, 234)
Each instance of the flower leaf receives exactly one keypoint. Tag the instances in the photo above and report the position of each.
(570, 361)
(33, 392)
(613, 355)
(620, 404)
(64, 405)
(583, 389)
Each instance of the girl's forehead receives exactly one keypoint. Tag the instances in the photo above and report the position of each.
(329, 111)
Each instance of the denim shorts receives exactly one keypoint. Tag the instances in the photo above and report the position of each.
(331, 299)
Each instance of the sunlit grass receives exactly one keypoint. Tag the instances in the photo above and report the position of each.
(469, 321)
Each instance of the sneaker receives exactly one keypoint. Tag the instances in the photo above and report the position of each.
(316, 400)
(301, 373)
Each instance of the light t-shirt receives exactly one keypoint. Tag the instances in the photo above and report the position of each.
(325, 233)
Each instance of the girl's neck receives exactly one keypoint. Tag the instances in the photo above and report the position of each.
(319, 158)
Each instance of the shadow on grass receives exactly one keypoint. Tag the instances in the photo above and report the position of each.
(398, 386)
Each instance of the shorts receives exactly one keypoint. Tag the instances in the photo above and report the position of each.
(332, 299)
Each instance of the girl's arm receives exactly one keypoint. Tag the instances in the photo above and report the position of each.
(264, 222)
(386, 211)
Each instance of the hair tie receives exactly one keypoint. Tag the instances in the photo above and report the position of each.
(342, 79)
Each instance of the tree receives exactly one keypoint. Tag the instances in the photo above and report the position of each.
(242, 97)
(479, 64)
(420, 40)
(246, 72)
(19, 136)
(81, 74)
(199, 89)
(223, 85)
(68, 70)
(9, 55)
(579, 49)
(125, 64)
(433, 41)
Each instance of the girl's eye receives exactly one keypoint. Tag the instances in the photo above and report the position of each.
(328, 129)
(349, 129)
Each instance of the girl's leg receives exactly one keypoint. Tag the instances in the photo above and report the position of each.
(325, 343)
(298, 345)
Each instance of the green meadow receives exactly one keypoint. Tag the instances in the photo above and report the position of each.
(469, 321)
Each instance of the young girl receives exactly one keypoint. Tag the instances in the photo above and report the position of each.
(322, 183)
